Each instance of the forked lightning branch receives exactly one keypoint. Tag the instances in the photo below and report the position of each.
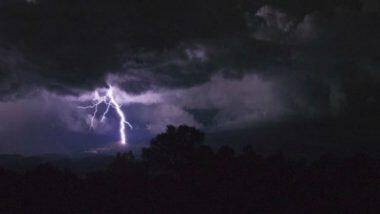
(110, 102)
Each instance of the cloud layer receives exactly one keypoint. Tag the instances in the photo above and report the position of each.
(213, 64)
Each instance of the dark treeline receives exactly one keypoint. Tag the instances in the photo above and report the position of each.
(177, 174)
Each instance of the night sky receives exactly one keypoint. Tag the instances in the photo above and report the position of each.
(299, 76)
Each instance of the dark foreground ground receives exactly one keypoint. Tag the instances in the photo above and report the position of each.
(177, 174)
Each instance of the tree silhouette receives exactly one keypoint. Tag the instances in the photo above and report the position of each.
(179, 174)
(175, 147)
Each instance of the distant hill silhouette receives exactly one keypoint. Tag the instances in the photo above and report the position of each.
(177, 173)
(79, 164)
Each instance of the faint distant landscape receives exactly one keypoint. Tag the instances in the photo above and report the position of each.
(78, 164)
(177, 170)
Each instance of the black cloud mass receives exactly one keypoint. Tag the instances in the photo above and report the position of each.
(321, 58)
(73, 43)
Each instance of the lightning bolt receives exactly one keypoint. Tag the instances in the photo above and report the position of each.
(109, 100)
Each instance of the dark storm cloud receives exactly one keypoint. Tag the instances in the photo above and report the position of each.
(334, 54)
(75, 43)
(322, 53)
(195, 62)
(214, 64)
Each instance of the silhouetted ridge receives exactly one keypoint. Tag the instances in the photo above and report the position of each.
(178, 174)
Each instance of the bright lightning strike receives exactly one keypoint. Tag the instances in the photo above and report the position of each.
(109, 100)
